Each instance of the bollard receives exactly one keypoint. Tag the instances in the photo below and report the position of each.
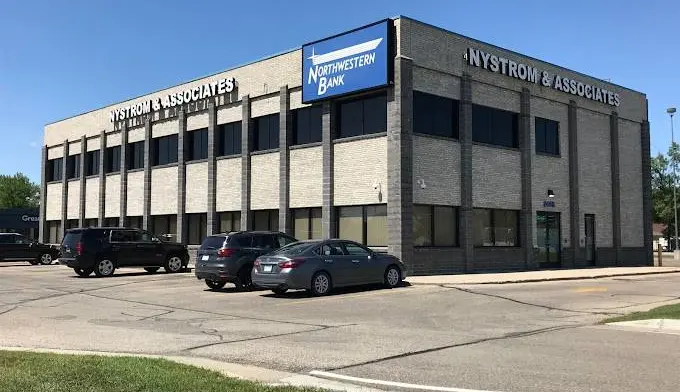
(660, 255)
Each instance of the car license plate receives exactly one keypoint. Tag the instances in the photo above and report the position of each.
(267, 268)
(205, 257)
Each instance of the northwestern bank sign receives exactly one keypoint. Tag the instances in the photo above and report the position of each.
(207, 90)
(504, 66)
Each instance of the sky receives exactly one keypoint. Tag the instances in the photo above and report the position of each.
(59, 59)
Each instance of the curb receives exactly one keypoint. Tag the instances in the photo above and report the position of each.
(536, 280)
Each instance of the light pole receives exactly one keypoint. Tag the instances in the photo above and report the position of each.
(676, 251)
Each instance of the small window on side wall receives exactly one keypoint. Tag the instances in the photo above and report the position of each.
(547, 136)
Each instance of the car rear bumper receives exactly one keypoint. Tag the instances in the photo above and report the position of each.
(287, 280)
(75, 263)
(215, 273)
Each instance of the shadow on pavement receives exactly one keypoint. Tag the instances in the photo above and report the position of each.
(338, 292)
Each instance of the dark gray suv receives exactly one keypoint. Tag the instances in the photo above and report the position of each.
(229, 257)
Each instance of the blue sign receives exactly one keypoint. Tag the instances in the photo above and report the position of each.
(350, 62)
(548, 203)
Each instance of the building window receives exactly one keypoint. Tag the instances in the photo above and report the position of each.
(91, 222)
(435, 115)
(494, 126)
(135, 222)
(113, 159)
(266, 132)
(435, 225)
(164, 226)
(135, 155)
(229, 139)
(547, 136)
(229, 221)
(197, 226)
(73, 166)
(363, 224)
(55, 169)
(54, 232)
(496, 227)
(307, 223)
(307, 125)
(266, 220)
(92, 163)
(164, 150)
(198, 144)
(362, 116)
(111, 222)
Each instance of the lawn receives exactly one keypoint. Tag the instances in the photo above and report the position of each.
(663, 312)
(33, 372)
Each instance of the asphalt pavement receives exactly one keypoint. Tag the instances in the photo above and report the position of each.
(514, 337)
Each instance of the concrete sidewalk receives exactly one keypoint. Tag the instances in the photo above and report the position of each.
(538, 276)
(667, 326)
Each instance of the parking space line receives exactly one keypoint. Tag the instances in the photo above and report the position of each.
(591, 289)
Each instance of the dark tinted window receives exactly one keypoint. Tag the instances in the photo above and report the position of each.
(165, 150)
(135, 155)
(244, 241)
(55, 169)
(363, 116)
(266, 132)
(213, 242)
(264, 241)
(284, 240)
(294, 249)
(73, 166)
(547, 136)
(355, 250)
(229, 139)
(435, 115)
(72, 238)
(307, 125)
(112, 159)
(123, 236)
(494, 126)
(92, 163)
(198, 144)
(6, 239)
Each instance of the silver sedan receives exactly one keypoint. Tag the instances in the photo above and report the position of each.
(319, 266)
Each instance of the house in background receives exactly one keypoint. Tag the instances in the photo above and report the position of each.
(658, 237)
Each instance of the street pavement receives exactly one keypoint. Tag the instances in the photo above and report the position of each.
(512, 337)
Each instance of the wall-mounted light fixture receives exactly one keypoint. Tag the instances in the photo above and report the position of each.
(551, 194)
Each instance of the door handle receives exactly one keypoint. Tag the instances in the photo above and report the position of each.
(355, 261)
(328, 261)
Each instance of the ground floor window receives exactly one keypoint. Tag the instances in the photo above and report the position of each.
(164, 226)
(435, 225)
(92, 222)
(307, 223)
(135, 222)
(72, 224)
(229, 221)
(111, 222)
(496, 227)
(266, 220)
(363, 224)
(197, 226)
(54, 232)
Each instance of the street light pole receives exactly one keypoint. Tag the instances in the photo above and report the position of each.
(676, 251)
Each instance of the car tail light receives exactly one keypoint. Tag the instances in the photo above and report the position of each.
(225, 252)
(294, 263)
(79, 248)
(257, 263)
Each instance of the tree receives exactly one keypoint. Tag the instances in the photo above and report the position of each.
(663, 181)
(18, 191)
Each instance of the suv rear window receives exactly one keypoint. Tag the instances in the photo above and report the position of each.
(72, 237)
(244, 241)
(213, 242)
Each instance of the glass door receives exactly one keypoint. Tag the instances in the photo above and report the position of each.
(548, 239)
(590, 238)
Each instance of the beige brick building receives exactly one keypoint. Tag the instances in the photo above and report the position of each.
(470, 158)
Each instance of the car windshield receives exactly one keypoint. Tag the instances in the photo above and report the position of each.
(293, 249)
(213, 242)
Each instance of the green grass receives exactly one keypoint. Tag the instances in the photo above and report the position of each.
(663, 312)
(38, 372)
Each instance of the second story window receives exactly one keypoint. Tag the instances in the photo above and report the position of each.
(198, 144)
(164, 150)
(73, 166)
(362, 116)
(55, 168)
(112, 159)
(135, 155)
(229, 139)
(547, 136)
(265, 132)
(494, 126)
(307, 125)
(92, 163)
(435, 115)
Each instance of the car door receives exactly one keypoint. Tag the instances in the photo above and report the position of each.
(149, 252)
(6, 246)
(124, 247)
(337, 263)
(23, 249)
(364, 269)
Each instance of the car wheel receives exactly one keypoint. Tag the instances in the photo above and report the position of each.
(279, 291)
(173, 264)
(45, 259)
(83, 272)
(104, 268)
(392, 276)
(321, 284)
(151, 270)
(214, 285)
(244, 281)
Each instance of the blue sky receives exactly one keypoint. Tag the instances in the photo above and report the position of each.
(58, 59)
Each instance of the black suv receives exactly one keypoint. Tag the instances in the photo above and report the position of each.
(14, 246)
(103, 249)
(229, 257)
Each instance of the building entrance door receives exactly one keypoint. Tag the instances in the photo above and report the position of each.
(548, 239)
(590, 239)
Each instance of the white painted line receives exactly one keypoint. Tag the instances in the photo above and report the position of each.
(395, 384)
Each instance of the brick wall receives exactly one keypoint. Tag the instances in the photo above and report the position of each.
(264, 191)
(92, 198)
(228, 177)
(197, 187)
(112, 199)
(631, 184)
(53, 202)
(164, 128)
(73, 200)
(306, 167)
(134, 135)
(135, 193)
(436, 161)
(496, 178)
(164, 190)
(358, 166)
(197, 121)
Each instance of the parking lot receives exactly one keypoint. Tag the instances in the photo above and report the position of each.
(488, 337)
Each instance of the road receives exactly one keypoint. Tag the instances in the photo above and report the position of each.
(518, 337)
